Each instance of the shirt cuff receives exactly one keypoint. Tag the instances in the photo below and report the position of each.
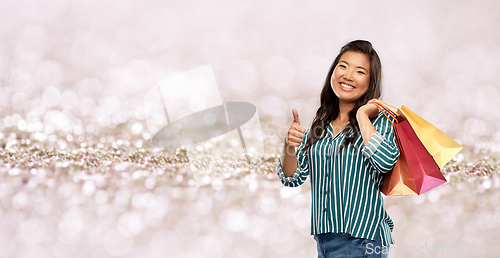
(283, 177)
(372, 145)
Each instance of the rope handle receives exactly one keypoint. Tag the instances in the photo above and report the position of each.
(387, 112)
(391, 113)
(386, 105)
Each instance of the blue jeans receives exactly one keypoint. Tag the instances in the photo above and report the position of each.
(342, 245)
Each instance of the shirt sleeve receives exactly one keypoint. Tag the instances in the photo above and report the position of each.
(300, 175)
(381, 151)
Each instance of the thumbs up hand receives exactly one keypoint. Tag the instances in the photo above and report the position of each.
(296, 131)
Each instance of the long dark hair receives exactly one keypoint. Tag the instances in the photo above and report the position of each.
(329, 109)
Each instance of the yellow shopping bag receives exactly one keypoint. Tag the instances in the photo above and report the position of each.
(441, 147)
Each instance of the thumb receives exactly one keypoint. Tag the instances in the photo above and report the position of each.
(295, 116)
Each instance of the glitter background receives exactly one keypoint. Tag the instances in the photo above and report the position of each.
(79, 177)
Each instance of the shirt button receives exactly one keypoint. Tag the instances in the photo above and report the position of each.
(326, 192)
(324, 209)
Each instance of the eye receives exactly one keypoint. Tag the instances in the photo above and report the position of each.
(361, 72)
(341, 65)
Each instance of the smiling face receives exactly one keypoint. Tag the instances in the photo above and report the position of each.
(351, 77)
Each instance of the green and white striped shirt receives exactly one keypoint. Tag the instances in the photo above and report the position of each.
(345, 186)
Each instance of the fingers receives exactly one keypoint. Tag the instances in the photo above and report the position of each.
(295, 134)
(294, 141)
(296, 131)
(298, 128)
(295, 116)
(374, 106)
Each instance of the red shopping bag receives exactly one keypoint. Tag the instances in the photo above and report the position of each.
(423, 167)
(424, 170)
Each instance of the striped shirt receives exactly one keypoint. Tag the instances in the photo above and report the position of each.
(345, 186)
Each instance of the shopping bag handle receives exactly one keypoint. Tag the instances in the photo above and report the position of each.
(390, 112)
(387, 112)
(386, 105)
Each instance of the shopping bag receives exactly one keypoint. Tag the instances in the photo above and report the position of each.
(425, 173)
(441, 147)
(399, 180)
(423, 167)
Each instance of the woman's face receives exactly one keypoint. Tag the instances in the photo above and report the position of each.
(351, 76)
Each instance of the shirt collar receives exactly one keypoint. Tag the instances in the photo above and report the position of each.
(330, 130)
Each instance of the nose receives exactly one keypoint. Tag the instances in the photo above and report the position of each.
(348, 75)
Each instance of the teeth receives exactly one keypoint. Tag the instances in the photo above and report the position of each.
(346, 86)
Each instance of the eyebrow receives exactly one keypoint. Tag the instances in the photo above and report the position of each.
(361, 67)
